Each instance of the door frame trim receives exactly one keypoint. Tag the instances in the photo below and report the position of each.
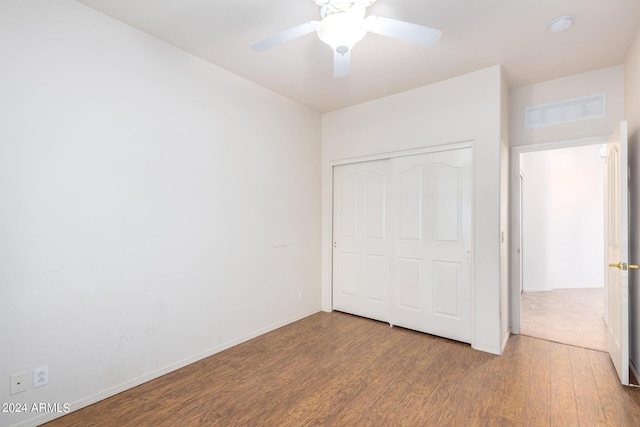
(402, 153)
(514, 202)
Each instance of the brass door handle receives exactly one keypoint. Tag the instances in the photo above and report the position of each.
(624, 266)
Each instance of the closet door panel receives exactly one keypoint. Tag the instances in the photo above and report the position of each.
(361, 244)
(433, 227)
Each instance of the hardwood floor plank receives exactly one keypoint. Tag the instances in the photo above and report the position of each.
(588, 403)
(325, 400)
(516, 377)
(385, 411)
(538, 402)
(449, 378)
(342, 416)
(472, 396)
(621, 405)
(563, 404)
(334, 369)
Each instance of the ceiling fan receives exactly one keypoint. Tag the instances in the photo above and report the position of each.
(343, 24)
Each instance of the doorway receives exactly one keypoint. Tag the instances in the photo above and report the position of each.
(560, 245)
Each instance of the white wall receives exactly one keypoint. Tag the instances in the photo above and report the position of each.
(466, 108)
(563, 218)
(632, 114)
(608, 80)
(533, 221)
(155, 209)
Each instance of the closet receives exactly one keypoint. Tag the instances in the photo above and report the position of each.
(402, 241)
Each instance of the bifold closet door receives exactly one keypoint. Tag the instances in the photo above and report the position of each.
(431, 216)
(361, 243)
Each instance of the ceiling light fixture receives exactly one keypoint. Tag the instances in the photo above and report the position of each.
(562, 23)
(343, 30)
(344, 24)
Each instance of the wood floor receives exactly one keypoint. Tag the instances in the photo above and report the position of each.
(334, 369)
(568, 316)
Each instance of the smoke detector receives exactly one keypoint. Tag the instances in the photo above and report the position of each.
(562, 23)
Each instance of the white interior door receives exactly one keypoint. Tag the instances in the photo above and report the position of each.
(361, 243)
(618, 251)
(431, 219)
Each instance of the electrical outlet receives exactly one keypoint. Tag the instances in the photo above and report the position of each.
(18, 383)
(300, 295)
(40, 377)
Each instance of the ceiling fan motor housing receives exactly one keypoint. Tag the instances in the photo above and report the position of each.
(329, 7)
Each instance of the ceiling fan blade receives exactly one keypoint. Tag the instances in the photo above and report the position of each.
(285, 36)
(403, 30)
(341, 64)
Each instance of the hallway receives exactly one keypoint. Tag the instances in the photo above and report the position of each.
(567, 316)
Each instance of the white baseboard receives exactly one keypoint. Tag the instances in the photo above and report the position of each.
(505, 338)
(583, 286)
(90, 400)
(593, 286)
(487, 349)
(634, 369)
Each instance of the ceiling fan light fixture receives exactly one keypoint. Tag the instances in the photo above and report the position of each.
(343, 30)
(343, 24)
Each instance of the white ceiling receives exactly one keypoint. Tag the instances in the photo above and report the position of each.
(476, 34)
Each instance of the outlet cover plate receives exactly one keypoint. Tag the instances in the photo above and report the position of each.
(40, 377)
